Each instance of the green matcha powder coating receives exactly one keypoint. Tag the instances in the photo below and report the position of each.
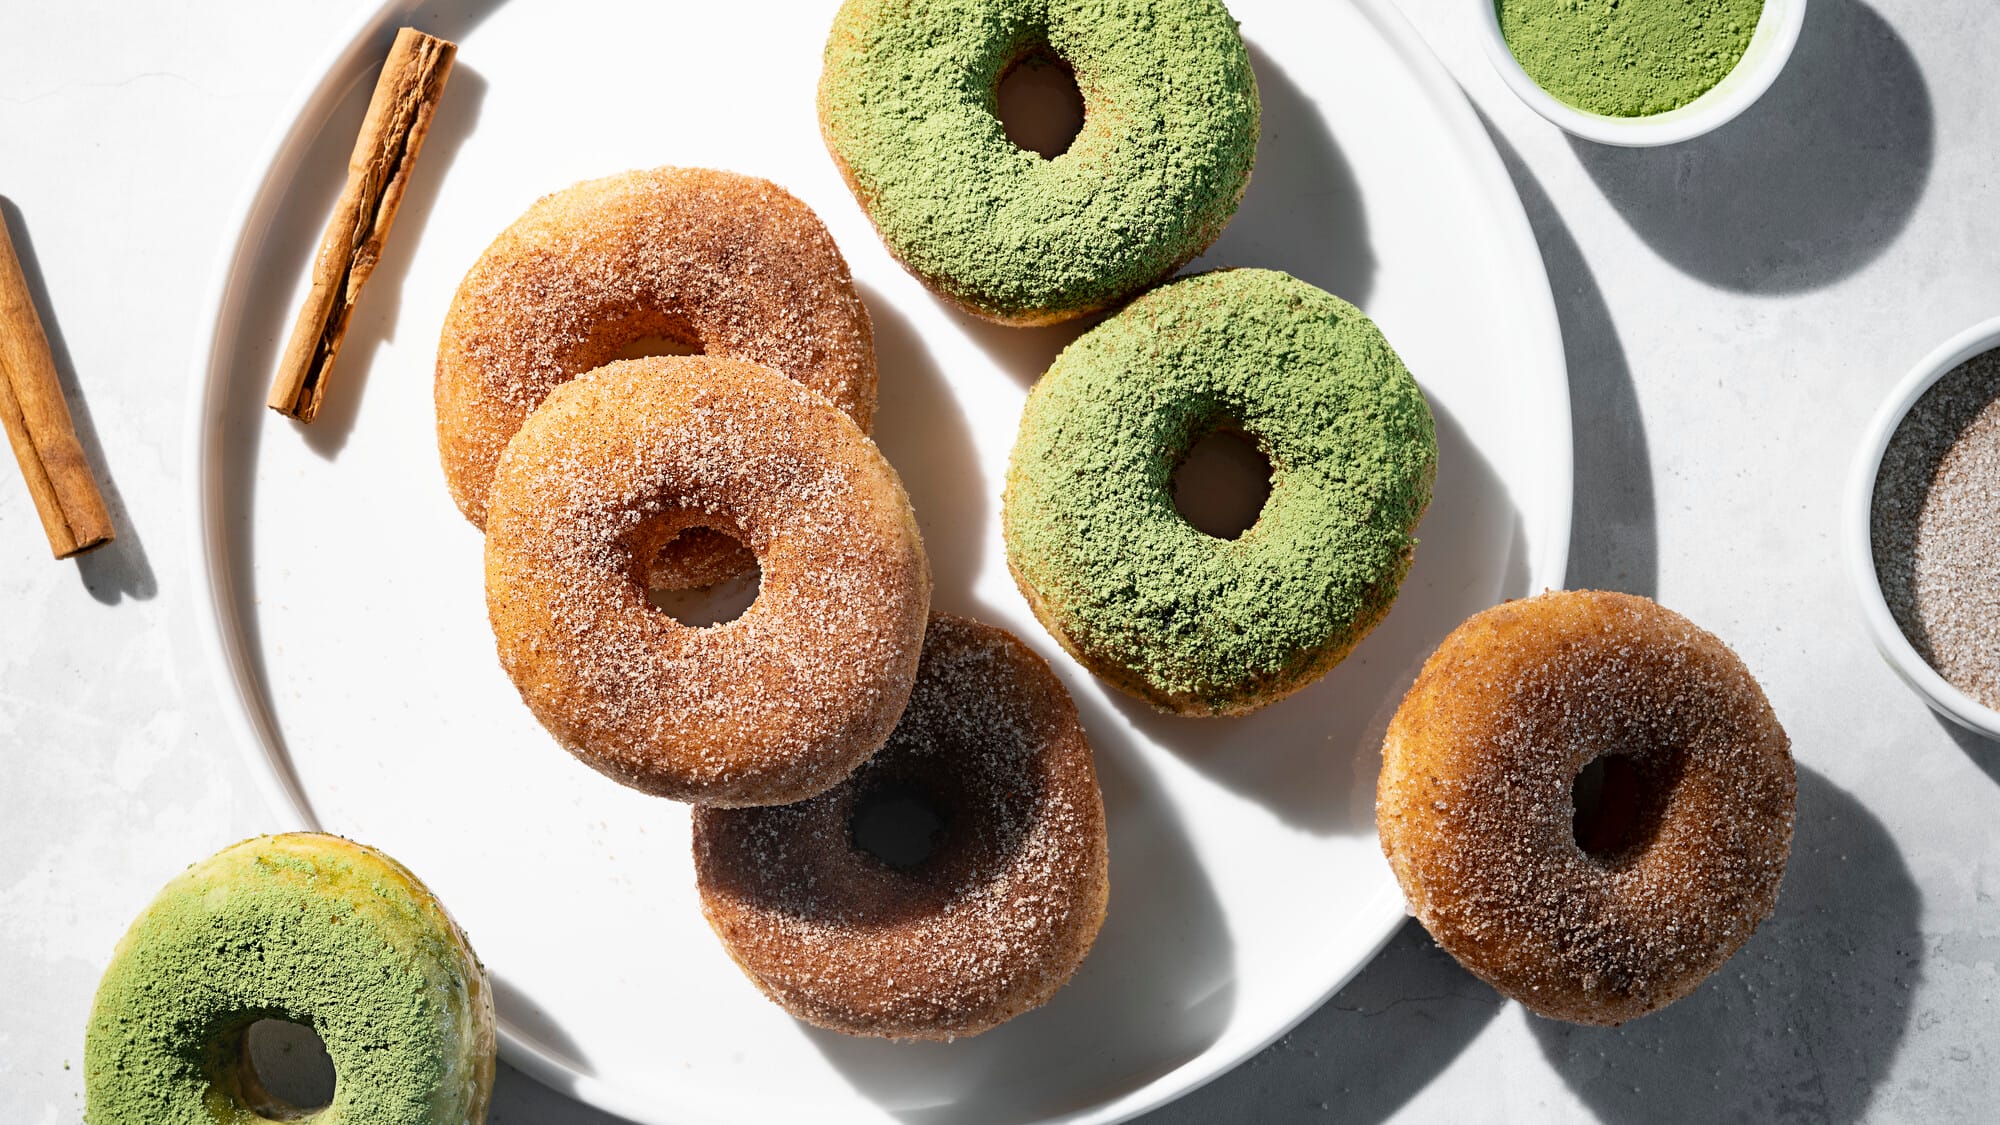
(1628, 58)
(907, 106)
(332, 939)
(1189, 621)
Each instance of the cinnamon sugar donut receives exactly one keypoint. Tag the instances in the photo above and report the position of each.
(1589, 915)
(988, 925)
(774, 706)
(731, 265)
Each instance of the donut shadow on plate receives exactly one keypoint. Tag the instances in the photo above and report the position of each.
(527, 1020)
(1363, 1054)
(1155, 991)
(1312, 758)
(1023, 353)
(1302, 212)
(1163, 923)
(1807, 1017)
(519, 1098)
(923, 431)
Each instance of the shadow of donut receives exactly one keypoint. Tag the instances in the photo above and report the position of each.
(1302, 212)
(1809, 184)
(1312, 758)
(1023, 353)
(529, 1020)
(520, 1100)
(1367, 1051)
(1803, 1022)
(1155, 991)
(922, 430)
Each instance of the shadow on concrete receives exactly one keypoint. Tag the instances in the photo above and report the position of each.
(1809, 184)
(1365, 1053)
(1614, 542)
(1802, 1023)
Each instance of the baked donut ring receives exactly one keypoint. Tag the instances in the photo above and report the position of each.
(1189, 622)
(307, 928)
(1594, 917)
(732, 265)
(988, 925)
(907, 106)
(774, 706)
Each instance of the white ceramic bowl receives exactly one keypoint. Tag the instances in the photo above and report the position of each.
(1770, 45)
(1945, 699)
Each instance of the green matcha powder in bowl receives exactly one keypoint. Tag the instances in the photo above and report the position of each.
(1639, 72)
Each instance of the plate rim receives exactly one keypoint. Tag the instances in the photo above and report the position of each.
(253, 731)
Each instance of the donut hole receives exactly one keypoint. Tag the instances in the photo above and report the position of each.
(652, 345)
(716, 601)
(1619, 807)
(1039, 104)
(636, 334)
(898, 823)
(286, 1072)
(693, 567)
(1222, 483)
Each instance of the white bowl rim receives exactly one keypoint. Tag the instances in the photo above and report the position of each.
(1770, 48)
(1940, 693)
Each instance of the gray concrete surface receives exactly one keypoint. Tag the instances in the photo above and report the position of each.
(1733, 308)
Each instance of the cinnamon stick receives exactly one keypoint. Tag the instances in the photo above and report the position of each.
(37, 420)
(399, 114)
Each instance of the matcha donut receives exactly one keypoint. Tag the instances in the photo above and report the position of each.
(1192, 623)
(307, 928)
(907, 107)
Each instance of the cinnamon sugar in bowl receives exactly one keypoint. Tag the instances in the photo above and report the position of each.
(1924, 529)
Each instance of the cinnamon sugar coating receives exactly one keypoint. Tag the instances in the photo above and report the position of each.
(991, 923)
(732, 265)
(1477, 818)
(774, 706)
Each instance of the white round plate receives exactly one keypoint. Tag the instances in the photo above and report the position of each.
(348, 614)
